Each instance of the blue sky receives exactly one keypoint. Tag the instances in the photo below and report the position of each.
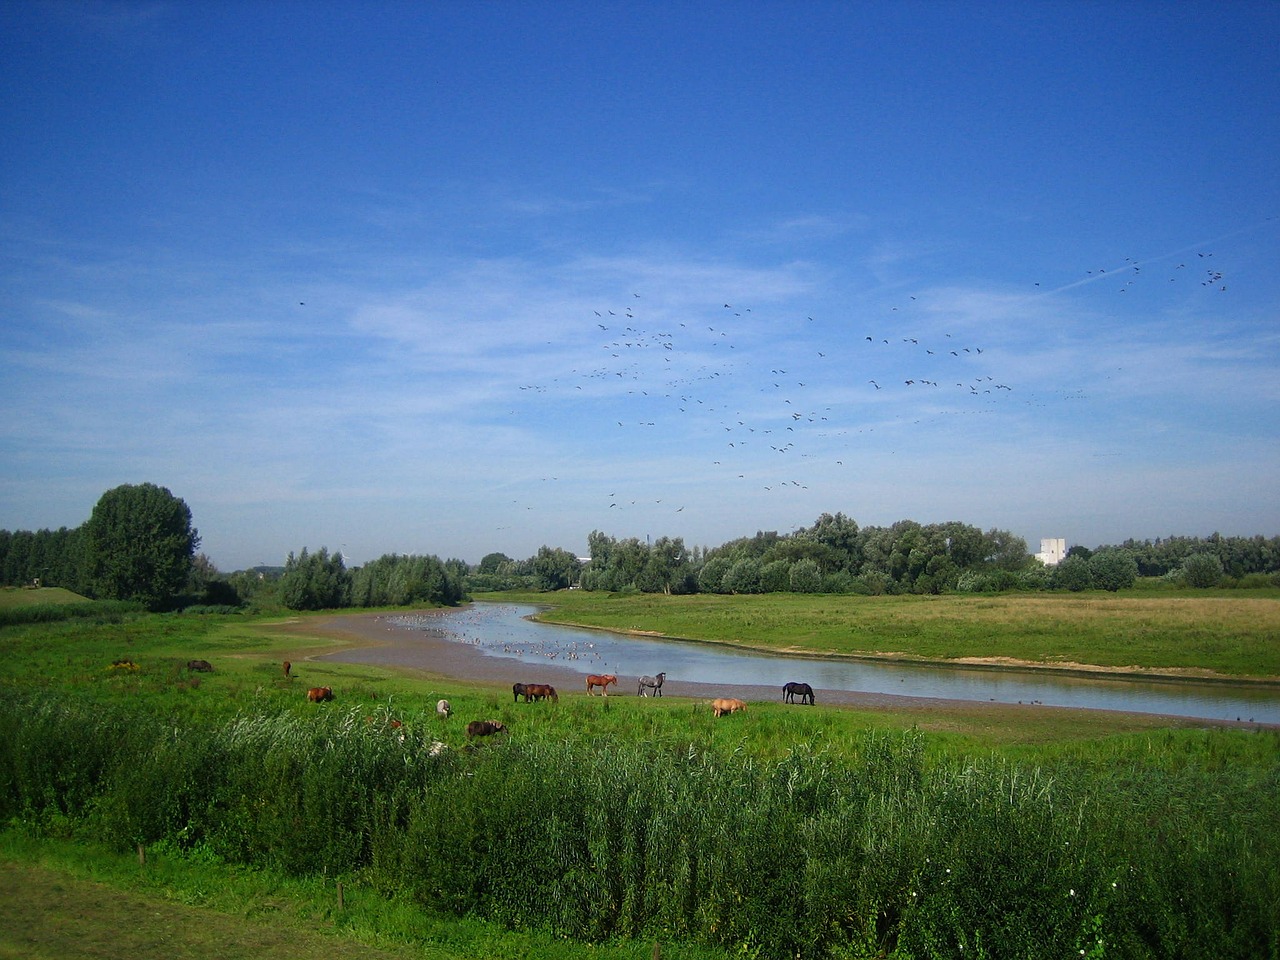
(459, 278)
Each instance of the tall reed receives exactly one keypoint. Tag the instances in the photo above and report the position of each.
(798, 855)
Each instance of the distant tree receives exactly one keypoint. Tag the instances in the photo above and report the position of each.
(1113, 569)
(1202, 570)
(806, 576)
(743, 576)
(208, 586)
(775, 576)
(840, 535)
(315, 581)
(139, 545)
(491, 562)
(1006, 551)
(711, 577)
(1077, 550)
(667, 568)
(556, 569)
(1073, 573)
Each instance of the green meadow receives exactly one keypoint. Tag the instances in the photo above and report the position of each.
(626, 827)
(1233, 633)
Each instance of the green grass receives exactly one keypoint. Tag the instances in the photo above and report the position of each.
(67, 901)
(626, 820)
(1225, 635)
(26, 596)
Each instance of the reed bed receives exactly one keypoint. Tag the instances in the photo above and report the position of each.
(878, 851)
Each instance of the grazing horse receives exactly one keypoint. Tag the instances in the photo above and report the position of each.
(484, 728)
(200, 666)
(802, 690)
(540, 691)
(287, 667)
(720, 707)
(518, 691)
(443, 709)
(601, 680)
(651, 683)
(320, 694)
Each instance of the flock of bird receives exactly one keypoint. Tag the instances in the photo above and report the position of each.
(698, 384)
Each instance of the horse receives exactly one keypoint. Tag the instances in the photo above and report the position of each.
(518, 691)
(287, 667)
(540, 691)
(792, 690)
(200, 666)
(720, 707)
(651, 683)
(602, 681)
(319, 694)
(443, 709)
(484, 728)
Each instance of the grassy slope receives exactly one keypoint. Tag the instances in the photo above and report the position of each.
(1231, 636)
(24, 596)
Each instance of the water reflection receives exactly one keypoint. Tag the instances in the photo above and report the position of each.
(501, 630)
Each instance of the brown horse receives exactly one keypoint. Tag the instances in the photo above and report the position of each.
(720, 707)
(601, 680)
(287, 667)
(484, 728)
(319, 694)
(540, 691)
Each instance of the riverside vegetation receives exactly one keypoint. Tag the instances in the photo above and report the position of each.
(782, 832)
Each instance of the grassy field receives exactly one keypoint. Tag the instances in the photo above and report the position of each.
(1223, 635)
(225, 778)
(26, 596)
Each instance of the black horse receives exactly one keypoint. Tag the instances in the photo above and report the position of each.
(792, 690)
(518, 691)
(651, 683)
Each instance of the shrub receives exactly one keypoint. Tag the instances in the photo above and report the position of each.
(1202, 570)
(1113, 569)
(806, 576)
(1073, 573)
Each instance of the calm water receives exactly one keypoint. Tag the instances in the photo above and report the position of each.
(501, 630)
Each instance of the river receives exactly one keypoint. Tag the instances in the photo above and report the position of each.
(503, 630)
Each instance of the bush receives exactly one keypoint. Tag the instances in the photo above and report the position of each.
(806, 576)
(1202, 570)
(1113, 569)
(743, 577)
(1073, 573)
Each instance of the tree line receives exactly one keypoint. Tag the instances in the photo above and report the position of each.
(139, 545)
(836, 555)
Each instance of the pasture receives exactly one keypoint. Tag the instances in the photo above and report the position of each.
(779, 831)
(1230, 634)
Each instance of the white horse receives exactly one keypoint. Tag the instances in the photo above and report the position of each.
(443, 708)
(651, 683)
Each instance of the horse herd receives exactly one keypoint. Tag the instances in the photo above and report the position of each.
(647, 686)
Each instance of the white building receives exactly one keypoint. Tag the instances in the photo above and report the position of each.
(1052, 550)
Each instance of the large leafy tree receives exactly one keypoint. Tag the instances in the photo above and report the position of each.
(139, 545)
